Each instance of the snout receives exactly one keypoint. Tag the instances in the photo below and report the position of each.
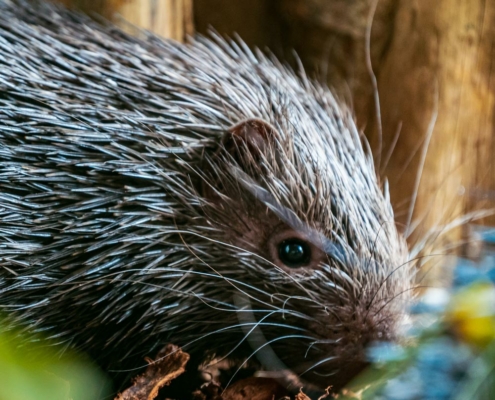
(342, 353)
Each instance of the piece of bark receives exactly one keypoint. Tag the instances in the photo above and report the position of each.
(255, 389)
(210, 391)
(302, 396)
(168, 365)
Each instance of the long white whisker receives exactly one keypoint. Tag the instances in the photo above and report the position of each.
(268, 343)
(325, 360)
(424, 152)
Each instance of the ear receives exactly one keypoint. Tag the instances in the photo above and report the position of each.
(245, 142)
(252, 135)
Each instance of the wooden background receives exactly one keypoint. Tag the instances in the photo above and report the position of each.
(418, 75)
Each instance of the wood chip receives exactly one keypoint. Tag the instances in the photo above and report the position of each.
(255, 389)
(168, 365)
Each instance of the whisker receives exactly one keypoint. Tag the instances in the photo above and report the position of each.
(396, 269)
(268, 343)
(206, 335)
(436, 232)
(228, 245)
(392, 148)
(374, 82)
(429, 134)
(399, 294)
(324, 361)
(326, 341)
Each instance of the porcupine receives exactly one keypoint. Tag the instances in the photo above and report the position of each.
(145, 185)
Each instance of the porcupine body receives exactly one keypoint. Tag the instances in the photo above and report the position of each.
(150, 190)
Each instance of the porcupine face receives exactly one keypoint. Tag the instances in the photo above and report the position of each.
(202, 195)
(322, 267)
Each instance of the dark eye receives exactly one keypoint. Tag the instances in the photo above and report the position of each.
(294, 253)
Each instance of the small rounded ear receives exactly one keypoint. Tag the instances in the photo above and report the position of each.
(253, 135)
(245, 142)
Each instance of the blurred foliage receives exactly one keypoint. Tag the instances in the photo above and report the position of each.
(450, 358)
(472, 313)
(33, 369)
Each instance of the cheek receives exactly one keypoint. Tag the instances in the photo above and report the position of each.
(251, 235)
(274, 241)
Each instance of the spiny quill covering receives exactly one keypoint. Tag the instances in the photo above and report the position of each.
(144, 185)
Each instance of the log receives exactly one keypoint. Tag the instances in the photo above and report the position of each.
(432, 66)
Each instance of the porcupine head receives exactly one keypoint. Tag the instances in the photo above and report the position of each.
(319, 271)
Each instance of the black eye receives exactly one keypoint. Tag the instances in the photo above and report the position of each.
(294, 253)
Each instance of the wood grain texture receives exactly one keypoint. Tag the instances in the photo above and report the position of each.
(168, 18)
(437, 74)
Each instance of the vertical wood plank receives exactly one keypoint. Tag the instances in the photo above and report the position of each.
(439, 66)
(168, 18)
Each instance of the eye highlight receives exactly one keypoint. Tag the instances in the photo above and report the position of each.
(294, 252)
